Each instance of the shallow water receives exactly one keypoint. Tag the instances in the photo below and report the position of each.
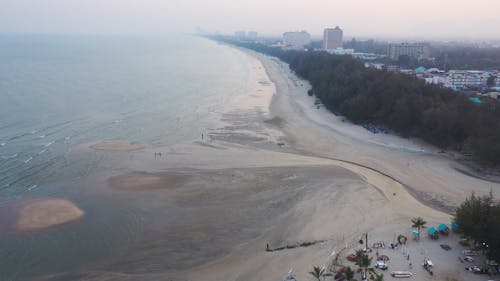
(60, 93)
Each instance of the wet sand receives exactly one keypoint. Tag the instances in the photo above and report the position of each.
(115, 146)
(45, 213)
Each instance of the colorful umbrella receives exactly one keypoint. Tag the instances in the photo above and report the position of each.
(442, 227)
(431, 231)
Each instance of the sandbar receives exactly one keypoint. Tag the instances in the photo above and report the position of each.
(44, 213)
(115, 146)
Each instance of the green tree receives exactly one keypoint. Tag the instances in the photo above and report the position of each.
(349, 274)
(377, 277)
(363, 261)
(317, 272)
(419, 223)
(477, 219)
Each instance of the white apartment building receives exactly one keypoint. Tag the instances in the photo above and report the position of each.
(296, 39)
(414, 50)
(461, 79)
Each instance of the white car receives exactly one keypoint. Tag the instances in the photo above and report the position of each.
(381, 265)
(469, 259)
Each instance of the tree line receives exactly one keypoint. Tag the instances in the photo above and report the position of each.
(478, 218)
(405, 104)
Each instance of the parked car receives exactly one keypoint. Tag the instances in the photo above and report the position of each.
(381, 265)
(469, 259)
(469, 253)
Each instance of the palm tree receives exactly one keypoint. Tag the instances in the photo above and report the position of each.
(363, 261)
(317, 272)
(349, 274)
(377, 277)
(419, 223)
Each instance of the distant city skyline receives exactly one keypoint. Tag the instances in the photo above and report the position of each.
(358, 18)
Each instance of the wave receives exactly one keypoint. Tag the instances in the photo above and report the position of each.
(28, 160)
(42, 151)
(49, 144)
(32, 187)
(9, 157)
(3, 144)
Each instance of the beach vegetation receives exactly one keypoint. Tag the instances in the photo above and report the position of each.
(364, 261)
(317, 272)
(377, 277)
(477, 219)
(418, 223)
(349, 274)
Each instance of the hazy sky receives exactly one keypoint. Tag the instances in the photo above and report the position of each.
(381, 18)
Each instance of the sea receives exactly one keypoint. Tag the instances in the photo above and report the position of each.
(62, 93)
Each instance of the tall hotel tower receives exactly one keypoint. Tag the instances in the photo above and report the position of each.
(332, 38)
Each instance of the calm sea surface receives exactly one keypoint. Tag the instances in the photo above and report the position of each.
(58, 93)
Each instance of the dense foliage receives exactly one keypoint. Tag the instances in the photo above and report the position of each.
(478, 218)
(403, 103)
(368, 46)
(465, 57)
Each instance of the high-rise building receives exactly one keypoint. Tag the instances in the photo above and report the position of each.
(414, 50)
(296, 39)
(240, 34)
(252, 35)
(332, 38)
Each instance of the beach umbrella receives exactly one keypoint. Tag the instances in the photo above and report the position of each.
(415, 233)
(454, 225)
(431, 231)
(442, 227)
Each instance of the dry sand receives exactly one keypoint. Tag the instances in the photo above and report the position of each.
(115, 146)
(44, 213)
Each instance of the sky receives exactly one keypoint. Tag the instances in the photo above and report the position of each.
(431, 19)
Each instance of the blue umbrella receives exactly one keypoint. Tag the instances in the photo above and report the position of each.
(454, 225)
(415, 233)
(431, 230)
(442, 227)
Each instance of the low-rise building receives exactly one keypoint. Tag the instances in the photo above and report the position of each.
(341, 51)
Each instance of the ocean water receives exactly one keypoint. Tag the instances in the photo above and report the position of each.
(59, 93)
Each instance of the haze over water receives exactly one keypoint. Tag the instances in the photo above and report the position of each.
(58, 95)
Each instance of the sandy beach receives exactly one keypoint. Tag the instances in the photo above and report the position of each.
(276, 170)
(44, 213)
